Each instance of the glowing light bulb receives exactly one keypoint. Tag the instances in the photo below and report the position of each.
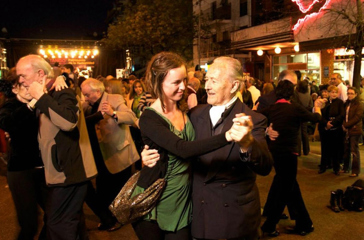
(260, 52)
(297, 48)
(277, 50)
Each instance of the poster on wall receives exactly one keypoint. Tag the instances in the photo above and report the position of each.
(326, 72)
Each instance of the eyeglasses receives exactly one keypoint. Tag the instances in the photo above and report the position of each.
(351, 93)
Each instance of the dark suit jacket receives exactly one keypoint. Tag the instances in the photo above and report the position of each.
(225, 197)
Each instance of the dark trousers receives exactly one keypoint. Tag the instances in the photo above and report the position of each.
(352, 151)
(28, 190)
(285, 191)
(64, 213)
(149, 230)
(331, 148)
(95, 203)
(107, 188)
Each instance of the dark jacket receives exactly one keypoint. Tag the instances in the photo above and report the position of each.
(226, 201)
(334, 112)
(286, 118)
(354, 123)
(22, 125)
(63, 139)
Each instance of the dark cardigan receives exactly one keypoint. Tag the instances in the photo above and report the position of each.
(157, 135)
(354, 125)
(22, 125)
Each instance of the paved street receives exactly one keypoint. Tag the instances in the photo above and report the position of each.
(315, 189)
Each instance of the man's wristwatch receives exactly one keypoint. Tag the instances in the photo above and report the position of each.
(114, 115)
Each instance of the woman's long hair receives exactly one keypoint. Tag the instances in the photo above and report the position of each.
(157, 69)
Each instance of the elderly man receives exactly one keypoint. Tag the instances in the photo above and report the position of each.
(337, 81)
(65, 150)
(108, 120)
(225, 196)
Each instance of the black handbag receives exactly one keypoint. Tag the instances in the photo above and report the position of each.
(354, 198)
(128, 209)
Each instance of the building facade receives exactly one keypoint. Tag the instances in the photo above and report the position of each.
(312, 37)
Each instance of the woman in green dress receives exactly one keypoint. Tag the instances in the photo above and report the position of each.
(166, 127)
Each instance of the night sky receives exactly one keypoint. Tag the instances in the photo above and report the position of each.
(54, 19)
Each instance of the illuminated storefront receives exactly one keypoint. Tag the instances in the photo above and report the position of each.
(307, 63)
(344, 63)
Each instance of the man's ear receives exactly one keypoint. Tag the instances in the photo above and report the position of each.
(235, 87)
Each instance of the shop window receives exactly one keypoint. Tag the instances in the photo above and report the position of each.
(308, 64)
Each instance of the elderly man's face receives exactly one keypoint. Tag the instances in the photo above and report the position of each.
(91, 96)
(26, 73)
(218, 87)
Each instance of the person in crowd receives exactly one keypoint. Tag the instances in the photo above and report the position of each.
(25, 173)
(352, 126)
(270, 99)
(192, 86)
(347, 83)
(336, 80)
(332, 118)
(299, 75)
(250, 85)
(145, 101)
(56, 69)
(131, 80)
(136, 93)
(225, 178)
(286, 117)
(114, 87)
(267, 88)
(201, 92)
(361, 99)
(69, 69)
(245, 96)
(314, 87)
(65, 149)
(304, 98)
(108, 120)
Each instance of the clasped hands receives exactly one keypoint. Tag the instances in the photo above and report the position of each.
(106, 108)
(240, 132)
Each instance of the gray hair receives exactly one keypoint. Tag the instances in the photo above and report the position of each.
(94, 84)
(37, 62)
(231, 67)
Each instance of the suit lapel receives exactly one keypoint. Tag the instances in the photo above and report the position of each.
(103, 99)
(218, 158)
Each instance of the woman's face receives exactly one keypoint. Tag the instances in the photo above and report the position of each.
(174, 84)
(333, 94)
(22, 92)
(325, 94)
(138, 88)
(351, 94)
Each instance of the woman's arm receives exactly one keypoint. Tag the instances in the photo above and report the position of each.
(153, 127)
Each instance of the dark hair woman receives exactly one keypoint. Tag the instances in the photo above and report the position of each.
(352, 126)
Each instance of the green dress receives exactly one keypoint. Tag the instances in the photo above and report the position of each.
(174, 209)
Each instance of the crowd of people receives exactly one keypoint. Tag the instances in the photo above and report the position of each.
(74, 140)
